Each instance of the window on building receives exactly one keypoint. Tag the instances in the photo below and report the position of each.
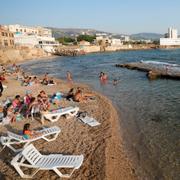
(24, 30)
(5, 43)
(21, 30)
(11, 42)
(2, 33)
(16, 30)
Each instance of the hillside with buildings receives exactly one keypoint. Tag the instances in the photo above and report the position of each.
(33, 42)
(22, 35)
(73, 32)
(146, 36)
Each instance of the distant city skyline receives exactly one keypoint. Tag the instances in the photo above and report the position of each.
(115, 16)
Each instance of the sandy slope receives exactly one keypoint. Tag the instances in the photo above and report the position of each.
(102, 147)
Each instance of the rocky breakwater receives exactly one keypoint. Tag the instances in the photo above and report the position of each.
(19, 54)
(155, 69)
(68, 51)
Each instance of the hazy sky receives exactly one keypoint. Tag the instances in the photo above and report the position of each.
(118, 16)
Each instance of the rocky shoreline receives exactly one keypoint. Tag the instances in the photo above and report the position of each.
(153, 71)
(20, 54)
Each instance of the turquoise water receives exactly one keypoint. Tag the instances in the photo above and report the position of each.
(149, 110)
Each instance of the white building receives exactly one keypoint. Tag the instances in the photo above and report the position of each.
(47, 43)
(28, 30)
(116, 42)
(24, 40)
(171, 38)
(33, 37)
(125, 38)
(169, 42)
(172, 33)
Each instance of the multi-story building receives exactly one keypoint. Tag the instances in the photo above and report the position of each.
(28, 30)
(116, 42)
(45, 42)
(20, 29)
(33, 37)
(44, 32)
(125, 38)
(171, 38)
(6, 37)
(172, 33)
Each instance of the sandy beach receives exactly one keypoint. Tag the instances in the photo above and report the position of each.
(102, 146)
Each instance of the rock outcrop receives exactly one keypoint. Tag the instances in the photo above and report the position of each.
(18, 54)
(155, 70)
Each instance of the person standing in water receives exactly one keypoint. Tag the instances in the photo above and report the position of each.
(69, 77)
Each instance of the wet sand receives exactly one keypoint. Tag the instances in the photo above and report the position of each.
(102, 146)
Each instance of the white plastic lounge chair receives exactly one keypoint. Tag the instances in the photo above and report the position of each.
(31, 158)
(55, 115)
(88, 120)
(12, 140)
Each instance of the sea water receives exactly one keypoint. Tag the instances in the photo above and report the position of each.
(149, 110)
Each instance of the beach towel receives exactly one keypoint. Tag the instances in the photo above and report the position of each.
(83, 117)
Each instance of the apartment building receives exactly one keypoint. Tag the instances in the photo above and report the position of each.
(6, 37)
(28, 30)
(171, 38)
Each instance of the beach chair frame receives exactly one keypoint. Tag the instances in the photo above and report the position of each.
(30, 157)
(14, 139)
(55, 116)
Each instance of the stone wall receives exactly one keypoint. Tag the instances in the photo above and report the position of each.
(90, 49)
(18, 54)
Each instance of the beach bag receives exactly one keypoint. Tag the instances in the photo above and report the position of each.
(19, 117)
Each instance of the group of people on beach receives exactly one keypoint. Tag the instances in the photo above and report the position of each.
(78, 95)
(34, 80)
(19, 107)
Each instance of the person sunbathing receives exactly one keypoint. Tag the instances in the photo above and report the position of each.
(35, 80)
(56, 98)
(26, 81)
(51, 81)
(10, 115)
(2, 78)
(27, 97)
(70, 94)
(43, 100)
(45, 79)
(27, 133)
(79, 96)
(16, 103)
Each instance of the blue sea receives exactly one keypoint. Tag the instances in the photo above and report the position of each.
(149, 111)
